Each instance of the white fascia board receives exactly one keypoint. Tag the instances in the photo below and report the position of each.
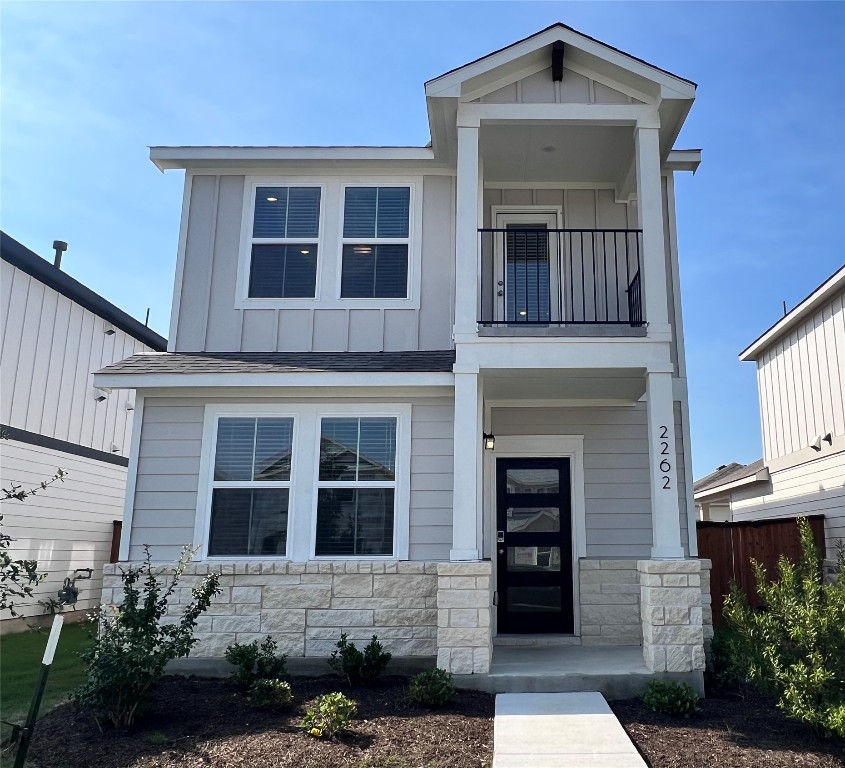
(818, 297)
(166, 158)
(450, 83)
(264, 380)
(642, 115)
(683, 160)
(761, 476)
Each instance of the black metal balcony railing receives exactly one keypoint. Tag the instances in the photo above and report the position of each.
(540, 277)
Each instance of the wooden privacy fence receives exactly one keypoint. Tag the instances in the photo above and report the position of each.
(117, 528)
(732, 545)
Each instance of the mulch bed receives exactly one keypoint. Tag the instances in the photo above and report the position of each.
(731, 732)
(209, 723)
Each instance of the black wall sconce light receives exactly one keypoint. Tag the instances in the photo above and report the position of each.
(489, 441)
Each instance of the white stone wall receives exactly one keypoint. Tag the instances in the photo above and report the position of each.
(671, 608)
(464, 601)
(610, 602)
(706, 602)
(305, 606)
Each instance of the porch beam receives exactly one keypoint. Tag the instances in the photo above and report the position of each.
(584, 114)
(467, 263)
(466, 496)
(662, 458)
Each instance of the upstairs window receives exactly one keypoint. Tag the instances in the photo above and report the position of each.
(251, 487)
(285, 235)
(376, 231)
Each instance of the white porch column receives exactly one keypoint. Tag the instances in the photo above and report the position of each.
(466, 497)
(650, 207)
(467, 279)
(665, 510)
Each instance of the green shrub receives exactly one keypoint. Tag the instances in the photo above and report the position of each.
(726, 657)
(433, 687)
(256, 662)
(131, 647)
(359, 668)
(329, 716)
(268, 694)
(671, 698)
(795, 648)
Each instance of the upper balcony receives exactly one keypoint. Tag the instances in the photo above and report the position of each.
(541, 281)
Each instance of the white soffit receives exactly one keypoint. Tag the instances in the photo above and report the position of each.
(821, 295)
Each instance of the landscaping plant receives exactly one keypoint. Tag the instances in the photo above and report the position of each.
(432, 688)
(256, 662)
(795, 647)
(671, 698)
(268, 694)
(359, 668)
(131, 646)
(329, 715)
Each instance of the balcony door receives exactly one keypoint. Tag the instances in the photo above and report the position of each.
(528, 267)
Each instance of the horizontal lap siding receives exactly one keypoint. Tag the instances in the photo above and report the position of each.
(617, 486)
(814, 488)
(65, 526)
(169, 464)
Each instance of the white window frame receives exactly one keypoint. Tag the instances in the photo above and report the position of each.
(243, 299)
(330, 242)
(411, 241)
(302, 505)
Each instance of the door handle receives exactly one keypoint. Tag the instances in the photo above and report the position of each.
(500, 537)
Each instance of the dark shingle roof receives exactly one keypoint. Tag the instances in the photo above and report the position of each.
(286, 362)
(729, 473)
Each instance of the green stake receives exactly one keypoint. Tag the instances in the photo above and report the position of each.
(46, 663)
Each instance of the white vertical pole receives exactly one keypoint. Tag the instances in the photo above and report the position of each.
(466, 497)
(662, 457)
(653, 274)
(466, 232)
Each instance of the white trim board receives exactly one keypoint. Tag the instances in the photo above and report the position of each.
(131, 477)
(540, 446)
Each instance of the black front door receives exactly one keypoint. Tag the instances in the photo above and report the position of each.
(534, 546)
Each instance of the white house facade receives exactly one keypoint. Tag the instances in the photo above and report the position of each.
(436, 393)
(801, 387)
(55, 332)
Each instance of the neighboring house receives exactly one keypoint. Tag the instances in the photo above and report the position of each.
(436, 393)
(55, 332)
(801, 385)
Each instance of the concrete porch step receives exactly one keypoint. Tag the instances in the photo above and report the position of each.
(535, 641)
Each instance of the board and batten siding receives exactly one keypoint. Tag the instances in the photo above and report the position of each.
(208, 319)
(813, 488)
(617, 488)
(50, 347)
(801, 380)
(169, 466)
(65, 526)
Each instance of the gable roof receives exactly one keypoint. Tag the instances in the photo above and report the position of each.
(730, 476)
(28, 261)
(828, 289)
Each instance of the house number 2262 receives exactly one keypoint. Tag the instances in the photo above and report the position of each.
(665, 465)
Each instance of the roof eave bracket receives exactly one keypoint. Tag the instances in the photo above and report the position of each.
(557, 61)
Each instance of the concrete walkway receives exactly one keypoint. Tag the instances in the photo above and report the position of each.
(560, 730)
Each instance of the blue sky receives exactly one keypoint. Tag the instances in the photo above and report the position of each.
(86, 87)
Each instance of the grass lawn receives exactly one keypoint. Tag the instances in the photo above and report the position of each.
(20, 661)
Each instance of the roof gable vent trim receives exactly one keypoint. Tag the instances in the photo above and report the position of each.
(557, 61)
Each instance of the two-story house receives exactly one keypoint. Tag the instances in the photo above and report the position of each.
(437, 393)
(54, 332)
(801, 388)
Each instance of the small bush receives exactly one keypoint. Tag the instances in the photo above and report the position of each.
(726, 657)
(329, 716)
(795, 648)
(671, 698)
(131, 647)
(432, 688)
(359, 668)
(256, 662)
(268, 694)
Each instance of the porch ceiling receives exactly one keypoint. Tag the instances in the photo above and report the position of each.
(556, 153)
(555, 384)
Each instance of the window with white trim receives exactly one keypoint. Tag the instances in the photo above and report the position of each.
(376, 238)
(251, 483)
(356, 487)
(285, 238)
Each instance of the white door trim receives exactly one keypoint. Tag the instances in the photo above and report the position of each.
(541, 446)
